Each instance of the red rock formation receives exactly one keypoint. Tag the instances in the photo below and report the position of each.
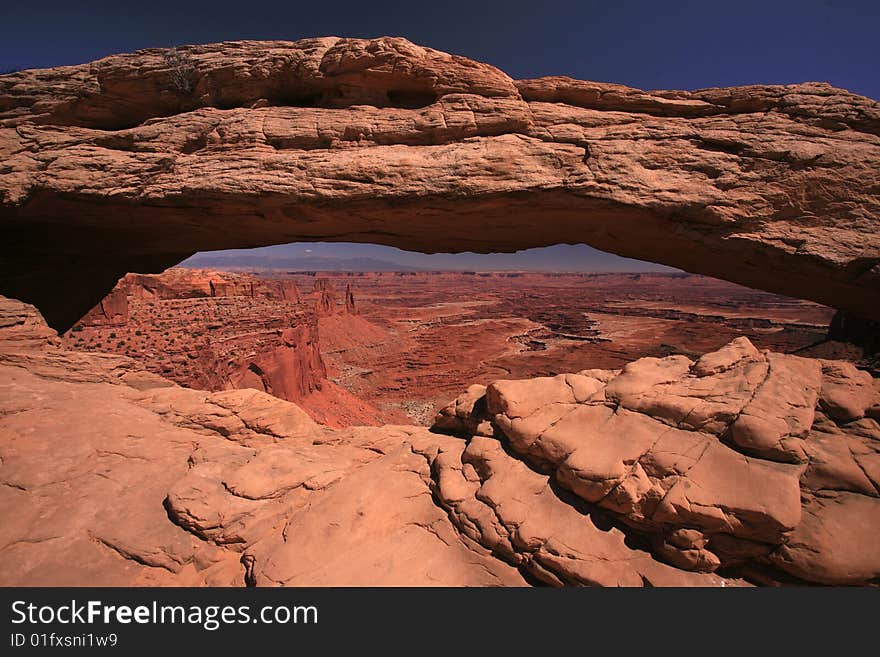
(292, 370)
(227, 288)
(111, 311)
(289, 291)
(168, 285)
(350, 307)
(325, 303)
(219, 330)
(23, 329)
(741, 459)
(208, 478)
(382, 140)
(181, 283)
(323, 285)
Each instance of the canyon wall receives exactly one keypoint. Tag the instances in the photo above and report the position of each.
(218, 331)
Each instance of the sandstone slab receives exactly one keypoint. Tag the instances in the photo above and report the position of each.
(739, 459)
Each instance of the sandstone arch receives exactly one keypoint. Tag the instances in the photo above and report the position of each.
(116, 166)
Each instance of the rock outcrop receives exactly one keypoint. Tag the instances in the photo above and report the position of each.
(327, 301)
(242, 144)
(291, 370)
(171, 486)
(183, 283)
(626, 478)
(219, 330)
(742, 460)
(350, 306)
(111, 311)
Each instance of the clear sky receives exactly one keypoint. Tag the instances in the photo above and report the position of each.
(651, 45)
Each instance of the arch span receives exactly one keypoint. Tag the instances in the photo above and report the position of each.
(116, 166)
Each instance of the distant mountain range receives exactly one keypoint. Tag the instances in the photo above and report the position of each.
(292, 263)
(340, 256)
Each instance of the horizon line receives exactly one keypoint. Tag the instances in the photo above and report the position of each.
(419, 270)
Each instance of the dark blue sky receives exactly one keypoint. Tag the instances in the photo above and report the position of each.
(650, 45)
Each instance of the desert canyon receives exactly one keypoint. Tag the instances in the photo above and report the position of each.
(165, 425)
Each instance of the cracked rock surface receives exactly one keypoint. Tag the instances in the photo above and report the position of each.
(110, 475)
(743, 461)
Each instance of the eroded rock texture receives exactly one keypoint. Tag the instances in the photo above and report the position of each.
(742, 460)
(111, 475)
(219, 331)
(132, 162)
(117, 477)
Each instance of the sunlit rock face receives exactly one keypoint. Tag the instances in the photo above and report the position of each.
(741, 459)
(632, 477)
(134, 162)
(741, 466)
(220, 330)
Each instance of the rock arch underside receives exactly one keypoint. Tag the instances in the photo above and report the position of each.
(135, 161)
(743, 466)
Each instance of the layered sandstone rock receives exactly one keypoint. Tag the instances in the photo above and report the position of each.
(171, 486)
(350, 306)
(291, 370)
(327, 302)
(741, 459)
(219, 330)
(242, 144)
(597, 478)
(182, 283)
(111, 311)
